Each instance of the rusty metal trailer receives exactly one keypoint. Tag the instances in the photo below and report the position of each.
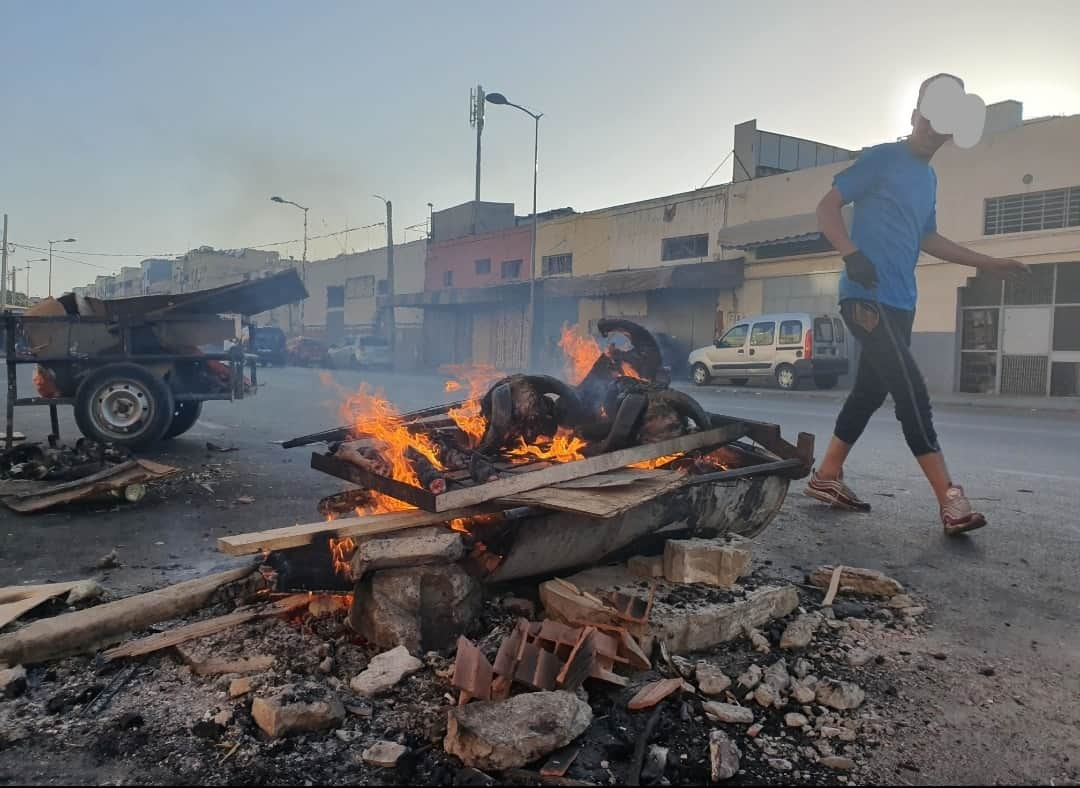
(131, 368)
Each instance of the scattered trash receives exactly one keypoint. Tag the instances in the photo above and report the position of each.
(210, 446)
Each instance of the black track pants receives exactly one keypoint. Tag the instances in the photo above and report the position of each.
(886, 366)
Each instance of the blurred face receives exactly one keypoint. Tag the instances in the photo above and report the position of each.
(924, 140)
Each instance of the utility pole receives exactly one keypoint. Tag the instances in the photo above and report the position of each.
(3, 271)
(476, 119)
(391, 327)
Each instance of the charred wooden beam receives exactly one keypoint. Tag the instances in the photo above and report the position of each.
(430, 476)
(349, 432)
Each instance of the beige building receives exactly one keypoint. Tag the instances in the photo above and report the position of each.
(205, 268)
(343, 293)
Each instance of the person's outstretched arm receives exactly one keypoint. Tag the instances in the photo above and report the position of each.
(939, 246)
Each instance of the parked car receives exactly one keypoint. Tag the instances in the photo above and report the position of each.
(789, 348)
(360, 352)
(306, 352)
(268, 343)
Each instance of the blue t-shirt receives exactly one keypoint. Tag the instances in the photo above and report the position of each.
(894, 193)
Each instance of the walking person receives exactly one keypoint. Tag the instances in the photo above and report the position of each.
(894, 189)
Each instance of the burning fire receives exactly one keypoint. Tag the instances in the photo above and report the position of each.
(467, 417)
(581, 353)
(341, 551)
(564, 447)
(657, 463)
(375, 418)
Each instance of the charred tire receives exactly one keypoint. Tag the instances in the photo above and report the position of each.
(185, 414)
(826, 381)
(123, 404)
(787, 377)
(699, 375)
(739, 381)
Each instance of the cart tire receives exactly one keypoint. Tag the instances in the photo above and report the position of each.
(123, 404)
(185, 414)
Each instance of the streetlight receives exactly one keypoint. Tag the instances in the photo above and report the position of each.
(500, 99)
(303, 260)
(64, 241)
(35, 260)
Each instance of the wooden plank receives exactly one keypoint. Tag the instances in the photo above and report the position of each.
(9, 611)
(342, 469)
(19, 593)
(369, 525)
(115, 478)
(83, 630)
(601, 503)
(174, 637)
(502, 488)
(618, 478)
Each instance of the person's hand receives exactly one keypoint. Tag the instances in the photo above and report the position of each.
(1006, 268)
(860, 270)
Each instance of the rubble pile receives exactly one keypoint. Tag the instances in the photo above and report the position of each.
(300, 697)
(57, 462)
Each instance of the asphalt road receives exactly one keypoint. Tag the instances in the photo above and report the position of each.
(1002, 589)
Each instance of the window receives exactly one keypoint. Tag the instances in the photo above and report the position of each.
(763, 334)
(335, 297)
(558, 264)
(791, 332)
(684, 246)
(448, 278)
(483, 266)
(823, 330)
(838, 325)
(382, 287)
(360, 287)
(735, 338)
(1020, 213)
(979, 329)
(511, 269)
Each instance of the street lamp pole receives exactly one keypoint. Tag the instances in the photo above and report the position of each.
(303, 259)
(63, 241)
(391, 324)
(499, 98)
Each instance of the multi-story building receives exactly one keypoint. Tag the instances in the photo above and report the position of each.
(348, 295)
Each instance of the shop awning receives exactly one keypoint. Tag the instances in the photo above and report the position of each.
(717, 275)
(782, 230)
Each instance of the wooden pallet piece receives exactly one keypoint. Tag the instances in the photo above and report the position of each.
(651, 694)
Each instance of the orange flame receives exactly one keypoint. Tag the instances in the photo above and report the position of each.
(467, 417)
(655, 463)
(564, 447)
(581, 353)
(341, 551)
(373, 417)
(627, 370)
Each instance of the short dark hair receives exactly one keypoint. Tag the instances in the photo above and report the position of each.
(928, 80)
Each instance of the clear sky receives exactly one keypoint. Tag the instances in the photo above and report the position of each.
(155, 127)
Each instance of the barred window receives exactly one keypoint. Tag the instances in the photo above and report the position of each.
(1019, 213)
(684, 247)
(558, 264)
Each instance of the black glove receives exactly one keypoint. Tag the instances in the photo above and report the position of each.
(860, 270)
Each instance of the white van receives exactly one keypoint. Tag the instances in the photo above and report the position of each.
(789, 348)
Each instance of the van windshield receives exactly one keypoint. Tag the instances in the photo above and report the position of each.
(823, 330)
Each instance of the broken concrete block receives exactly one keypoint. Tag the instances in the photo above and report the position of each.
(565, 602)
(300, 708)
(729, 713)
(840, 695)
(711, 680)
(422, 608)
(412, 548)
(751, 677)
(800, 632)
(385, 671)
(384, 754)
(646, 566)
(777, 677)
(858, 581)
(723, 757)
(711, 561)
(239, 687)
(759, 641)
(509, 734)
(803, 695)
(12, 682)
(88, 591)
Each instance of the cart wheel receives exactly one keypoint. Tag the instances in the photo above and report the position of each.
(123, 404)
(185, 414)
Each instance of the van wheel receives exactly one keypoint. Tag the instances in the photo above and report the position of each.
(699, 374)
(739, 381)
(786, 377)
(826, 381)
(123, 404)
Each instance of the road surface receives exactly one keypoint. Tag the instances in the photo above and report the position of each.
(1006, 592)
